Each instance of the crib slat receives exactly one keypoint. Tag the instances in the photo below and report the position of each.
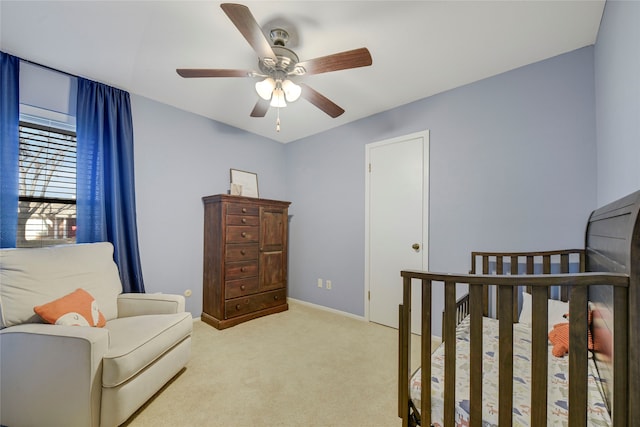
(505, 349)
(578, 357)
(485, 290)
(449, 353)
(514, 265)
(564, 268)
(620, 354)
(405, 351)
(476, 356)
(564, 263)
(403, 385)
(539, 356)
(546, 264)
(529, 269)
(425, 352)
(514, 272)
(529, 264)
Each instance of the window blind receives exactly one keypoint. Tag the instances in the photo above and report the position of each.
(47, 193)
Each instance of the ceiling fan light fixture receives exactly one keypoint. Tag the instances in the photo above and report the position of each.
(265, 88)
(277, 100)
(291, 90)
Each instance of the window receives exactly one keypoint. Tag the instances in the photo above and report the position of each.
(47, 194)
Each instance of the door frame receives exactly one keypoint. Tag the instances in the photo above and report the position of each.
(425, 206)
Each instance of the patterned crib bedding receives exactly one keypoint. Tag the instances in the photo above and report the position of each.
(558, 391)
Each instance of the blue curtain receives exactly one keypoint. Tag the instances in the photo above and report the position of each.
(9, 148)
(106, 209)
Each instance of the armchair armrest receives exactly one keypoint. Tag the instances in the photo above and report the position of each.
(141, 304)
(57, 369)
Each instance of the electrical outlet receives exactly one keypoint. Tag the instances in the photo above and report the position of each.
(328, 284)
(319, 283)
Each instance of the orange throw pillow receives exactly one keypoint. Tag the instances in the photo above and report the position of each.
(78, 308)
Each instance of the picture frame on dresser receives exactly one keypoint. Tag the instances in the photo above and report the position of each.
(243, 183)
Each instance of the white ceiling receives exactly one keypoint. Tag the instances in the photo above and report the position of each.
(419, 48)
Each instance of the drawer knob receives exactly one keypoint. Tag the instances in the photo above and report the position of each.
(275, 297)
(244, 220)
(243, 252)
(242, 287)
(244, 234)
(244, 210)
(238, 307)
(243, 269)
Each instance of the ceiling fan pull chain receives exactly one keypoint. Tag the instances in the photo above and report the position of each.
(278, 121)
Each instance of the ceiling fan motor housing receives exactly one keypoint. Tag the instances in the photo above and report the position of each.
(286, 59)
(279, 37)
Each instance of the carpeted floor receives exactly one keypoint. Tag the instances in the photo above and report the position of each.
(303, 367)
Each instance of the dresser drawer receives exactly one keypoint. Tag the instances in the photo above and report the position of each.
(242, 234)
(249, 304)
(243, 220)
(240, 287)
(241, 269)
(241, 252)
(241, 209)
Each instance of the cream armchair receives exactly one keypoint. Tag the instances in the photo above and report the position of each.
(57, 375)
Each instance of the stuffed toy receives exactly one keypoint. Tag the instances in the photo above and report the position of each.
(559, 337)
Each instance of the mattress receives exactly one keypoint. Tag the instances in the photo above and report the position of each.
(558, 391)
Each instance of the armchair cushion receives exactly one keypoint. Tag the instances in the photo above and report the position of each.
(75, 309)
(136, 342)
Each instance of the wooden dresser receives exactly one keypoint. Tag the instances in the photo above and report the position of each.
(245, 259)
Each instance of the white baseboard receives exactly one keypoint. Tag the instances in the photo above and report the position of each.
(330, 310)
(309, 304)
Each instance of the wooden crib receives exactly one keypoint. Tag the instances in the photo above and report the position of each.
(604, 287)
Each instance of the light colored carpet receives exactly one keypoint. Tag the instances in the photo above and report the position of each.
(302, 367)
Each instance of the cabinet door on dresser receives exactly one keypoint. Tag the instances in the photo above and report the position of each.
(273, 248)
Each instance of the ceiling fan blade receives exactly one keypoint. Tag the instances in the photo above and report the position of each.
(204, 72)
(339, 61)
(242, 18)
(320, 101)
(261, 108)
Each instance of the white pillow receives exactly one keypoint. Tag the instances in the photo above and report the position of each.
(557, 310)
(525, 313)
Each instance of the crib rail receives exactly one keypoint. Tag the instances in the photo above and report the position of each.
(506, 287)
(514, 263)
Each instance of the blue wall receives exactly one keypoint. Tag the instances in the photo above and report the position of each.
(617, 81)
(513, 161)
(181, 157)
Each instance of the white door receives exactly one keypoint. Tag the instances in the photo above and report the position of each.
(397, 223)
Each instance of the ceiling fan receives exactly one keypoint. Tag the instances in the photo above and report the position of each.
(278, 65)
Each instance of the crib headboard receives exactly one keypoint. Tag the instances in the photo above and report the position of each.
(612, 244)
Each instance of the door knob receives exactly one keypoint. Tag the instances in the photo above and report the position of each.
(416, 246)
